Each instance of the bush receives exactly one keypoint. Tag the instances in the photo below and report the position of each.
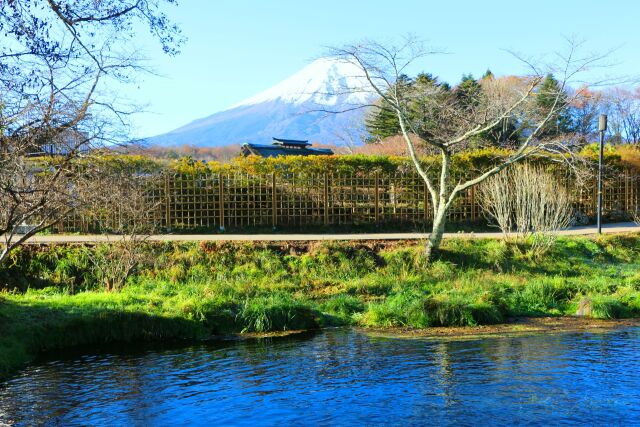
(457, 310)
(467, 162)
(529, 200)
(415, 310)
(538, 297)
(275, 313)
(342, 308)
(607, 307)
(404, 309)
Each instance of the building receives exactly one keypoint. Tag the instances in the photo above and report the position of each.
(284, 147)
(62, 144)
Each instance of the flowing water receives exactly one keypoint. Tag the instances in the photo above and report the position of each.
(340, 377)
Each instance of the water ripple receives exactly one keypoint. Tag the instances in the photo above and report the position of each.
(340, 377)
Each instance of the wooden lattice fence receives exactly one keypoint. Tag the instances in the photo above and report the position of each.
(244, 201)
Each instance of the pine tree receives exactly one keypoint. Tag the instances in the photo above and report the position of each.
(488, 75)
(383, 121)
(505, 134)
(429, 94)
(468, 92)
(552, 96)
(424, 94)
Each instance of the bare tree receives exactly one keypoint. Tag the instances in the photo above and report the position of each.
(496, 197)
(585, 111)
(117, 200)
(529, 201)
(35, 193)
(455, 122)
(351, 134)
(58, 60)
(623, 108)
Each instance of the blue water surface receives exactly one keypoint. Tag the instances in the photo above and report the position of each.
(340, 377)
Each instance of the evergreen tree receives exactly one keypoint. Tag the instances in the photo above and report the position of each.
(427, 79)
(428, 95)
(468, 93)
(550, 92)
(383, 121)
(505, 134)
(422, 94)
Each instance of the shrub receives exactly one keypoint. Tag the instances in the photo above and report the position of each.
(607, 307)
(343, 307)
(538, 297)
(275, 313)
(528, 200)
(469, 161)
(403, 309)
(460, 310)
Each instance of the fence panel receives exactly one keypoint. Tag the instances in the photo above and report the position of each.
(240, 200)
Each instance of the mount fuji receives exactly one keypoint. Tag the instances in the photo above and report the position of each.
(293, 109)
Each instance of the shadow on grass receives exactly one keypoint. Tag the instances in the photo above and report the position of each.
(32, 326)
(26, 330)
(568, 257)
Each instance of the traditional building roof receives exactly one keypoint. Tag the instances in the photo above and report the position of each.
(284, 147)
(291, 142)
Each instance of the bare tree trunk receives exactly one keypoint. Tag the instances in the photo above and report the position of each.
(441, 207)
(4, 254)
(437, 231)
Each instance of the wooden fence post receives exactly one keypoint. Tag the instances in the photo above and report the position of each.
(473, 203)
(326, 199)
(274, 207)
(221, 200)
(594, 198)
(377, 199)
(626, 192)
(426, 201)
(167, 201)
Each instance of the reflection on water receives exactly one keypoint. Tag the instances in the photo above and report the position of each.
(341, 377)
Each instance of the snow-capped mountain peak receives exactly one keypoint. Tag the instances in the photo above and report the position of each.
(326, 81)
(290, 109)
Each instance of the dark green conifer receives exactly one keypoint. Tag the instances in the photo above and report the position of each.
(552, 96)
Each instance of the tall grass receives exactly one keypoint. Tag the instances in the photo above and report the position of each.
(53, 298)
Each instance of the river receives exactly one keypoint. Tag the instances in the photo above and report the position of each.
(339, 377)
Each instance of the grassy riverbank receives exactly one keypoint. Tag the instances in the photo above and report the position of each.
(193, 291)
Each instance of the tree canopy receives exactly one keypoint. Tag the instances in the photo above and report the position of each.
(56, 60)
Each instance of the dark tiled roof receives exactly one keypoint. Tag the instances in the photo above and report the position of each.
(275, 150)
(291, 142)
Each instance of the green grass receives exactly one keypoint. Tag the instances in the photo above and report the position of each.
(53, 297)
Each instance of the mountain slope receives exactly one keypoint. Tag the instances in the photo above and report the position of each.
(289, 109)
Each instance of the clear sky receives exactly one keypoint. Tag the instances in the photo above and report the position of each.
(238, 48)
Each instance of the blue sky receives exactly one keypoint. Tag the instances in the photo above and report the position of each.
(238, 48)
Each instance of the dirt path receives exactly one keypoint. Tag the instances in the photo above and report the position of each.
(622, 227)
